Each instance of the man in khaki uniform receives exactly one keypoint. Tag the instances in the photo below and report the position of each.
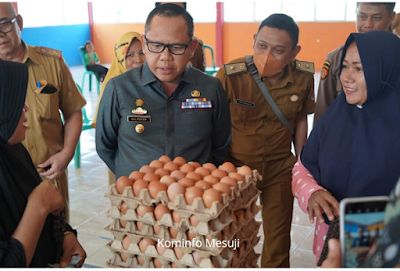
(50, 143)
(370, 17)
(259, 139)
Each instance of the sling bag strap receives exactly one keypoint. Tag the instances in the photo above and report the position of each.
(264, 91)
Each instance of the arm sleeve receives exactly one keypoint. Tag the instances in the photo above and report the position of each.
(107, 124)
(12, 254)
(327, 87)
(222, 128)
(87, 61)
(303, 185)
(96, 58)
(198, 57)
(309, 102)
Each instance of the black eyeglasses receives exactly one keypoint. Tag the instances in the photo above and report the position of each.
(7, 26)
(175, 48)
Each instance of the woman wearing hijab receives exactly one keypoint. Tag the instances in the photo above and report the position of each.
(33, 232)
(354, 149)
(128, 55)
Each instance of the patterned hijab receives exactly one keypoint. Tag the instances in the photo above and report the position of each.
(355, 152)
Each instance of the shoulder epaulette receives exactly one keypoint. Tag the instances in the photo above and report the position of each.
(49, 52)
(304, 66)
(234, 68)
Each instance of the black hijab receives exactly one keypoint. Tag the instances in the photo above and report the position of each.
(355, 152)
(18, 175)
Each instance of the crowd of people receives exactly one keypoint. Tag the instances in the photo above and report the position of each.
(156, 100)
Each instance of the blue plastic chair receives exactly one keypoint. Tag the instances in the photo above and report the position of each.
(89, 73)
(213, 69)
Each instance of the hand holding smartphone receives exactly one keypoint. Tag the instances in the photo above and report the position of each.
(361, 223)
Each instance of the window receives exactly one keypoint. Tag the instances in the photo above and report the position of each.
(203, 11)
(121, 12)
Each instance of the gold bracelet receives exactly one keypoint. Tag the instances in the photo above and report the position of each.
(68, 232)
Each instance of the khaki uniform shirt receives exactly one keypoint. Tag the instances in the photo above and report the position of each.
(45, 134)
(329, 85)
(258, 136)
(197, 60)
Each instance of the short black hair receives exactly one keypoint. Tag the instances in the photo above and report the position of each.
(170, 11)
(159, 3)
(389, 5)
(282, 22)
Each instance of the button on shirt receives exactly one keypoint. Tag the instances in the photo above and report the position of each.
(200, 134)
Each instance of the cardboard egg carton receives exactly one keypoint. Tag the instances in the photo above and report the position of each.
(245, 247)
(144, 197)
(131, 262)
(168, 256)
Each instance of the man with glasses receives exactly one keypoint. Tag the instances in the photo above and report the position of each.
(50, 143)
(370, 17)
(164, 106)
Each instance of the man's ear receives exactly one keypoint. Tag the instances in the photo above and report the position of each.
(295, 52)
(192, 46)
(391, 17)
(255, 38)
(20, 22)
(143, 42)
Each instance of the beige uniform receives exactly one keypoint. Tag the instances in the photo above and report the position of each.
(329, 85)
(261, 141)
(45, 134)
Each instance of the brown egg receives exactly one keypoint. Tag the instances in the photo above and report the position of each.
(167, 180)
(219, 173)
(203, 185)
(138, 186)
(161, 248)
(209, 166)
(223, 188)
(197, 258)
(157, 263)
(145, 242)
(211, 179)
(123, 182)
(162, 172)
(202, 171)
(123, 223)
(171, 166)
(176, 217)
(156, 229)
(190, 235)
(164, 158)
(178, 253)
(146, 169)
(174, 265)
(140, 259)
(135, 175)
(141, 210)
(195, 164)
(194, 221)
(179, 160)
(185, 168)
(228, 167)
(156, 187)
(245, 170)
(124, 207)
(194, 176)
(177, 175)
(211, 195)
(236, 176)
(192, 193)
(160, 210)
(173, 232)
(186, 182)
(124, 258)
(126, 242)
(139, 225)
(156, 164)
(229, 181)
(151, 176)
(175, 189)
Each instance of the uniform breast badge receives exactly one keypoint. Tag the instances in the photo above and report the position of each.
(195, 93)
(139, 110)
(139, 128)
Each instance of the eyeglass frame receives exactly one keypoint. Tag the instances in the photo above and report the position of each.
(11, 22)
(168, 45)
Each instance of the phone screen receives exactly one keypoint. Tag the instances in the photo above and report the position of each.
(363, 224)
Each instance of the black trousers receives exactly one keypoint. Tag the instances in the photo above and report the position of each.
(100, 71)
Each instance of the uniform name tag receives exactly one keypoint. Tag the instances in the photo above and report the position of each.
(141, 119)
(196, 105)
(245, 103)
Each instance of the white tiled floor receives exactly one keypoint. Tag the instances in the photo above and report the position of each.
(88, 184)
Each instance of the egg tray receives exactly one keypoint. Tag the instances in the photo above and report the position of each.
(243, 255)
(250, 260)
(167, 257)
(146, 200)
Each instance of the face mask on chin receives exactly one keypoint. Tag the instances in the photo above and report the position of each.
(267, 65)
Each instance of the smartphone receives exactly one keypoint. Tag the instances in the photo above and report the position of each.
(361, 223)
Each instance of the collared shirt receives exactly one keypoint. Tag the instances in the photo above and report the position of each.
(45, 134)
(257, 133)
(171, 127)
